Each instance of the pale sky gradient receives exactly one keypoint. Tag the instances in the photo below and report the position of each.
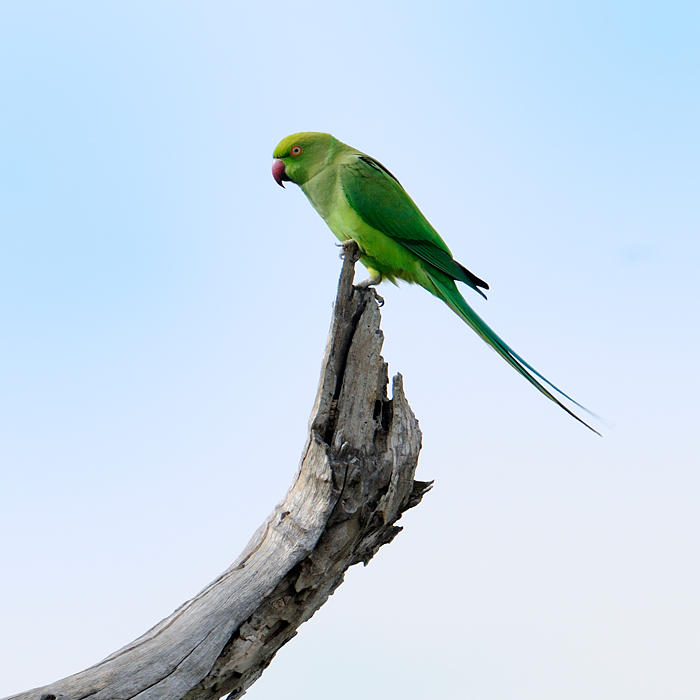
(164, 307)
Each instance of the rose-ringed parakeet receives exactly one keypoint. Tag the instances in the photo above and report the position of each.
(361, 200)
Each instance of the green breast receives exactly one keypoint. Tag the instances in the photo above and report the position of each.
(380, 252)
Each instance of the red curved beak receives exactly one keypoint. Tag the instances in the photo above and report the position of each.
(278, 172)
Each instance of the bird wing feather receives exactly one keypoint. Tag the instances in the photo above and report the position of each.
(380, 201)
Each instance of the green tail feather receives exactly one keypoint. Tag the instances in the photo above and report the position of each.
(445, 289)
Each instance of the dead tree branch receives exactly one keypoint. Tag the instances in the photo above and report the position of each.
(354, 482)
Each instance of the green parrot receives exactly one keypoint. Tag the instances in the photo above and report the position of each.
(362, 201)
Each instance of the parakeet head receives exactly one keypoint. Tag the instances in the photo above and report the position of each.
(300, 156)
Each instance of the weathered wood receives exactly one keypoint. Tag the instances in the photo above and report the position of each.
(354, 481)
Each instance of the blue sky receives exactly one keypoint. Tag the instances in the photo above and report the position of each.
(164, 308)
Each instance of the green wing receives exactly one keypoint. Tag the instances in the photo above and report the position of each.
(380, 201)
(378, 198)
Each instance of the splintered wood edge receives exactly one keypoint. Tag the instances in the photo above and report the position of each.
(354, 481)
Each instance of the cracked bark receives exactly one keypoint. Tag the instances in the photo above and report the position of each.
(354, 482)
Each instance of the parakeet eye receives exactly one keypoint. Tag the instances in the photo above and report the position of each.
(295, 150)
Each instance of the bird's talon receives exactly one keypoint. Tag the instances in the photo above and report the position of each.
(365, 287)
(350, 247)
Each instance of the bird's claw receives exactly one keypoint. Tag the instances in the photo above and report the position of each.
(365, 287)
(350, 249)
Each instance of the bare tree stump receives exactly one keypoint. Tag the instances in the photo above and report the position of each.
(354, 482)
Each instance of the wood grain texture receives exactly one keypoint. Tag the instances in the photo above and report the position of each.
(354, 481)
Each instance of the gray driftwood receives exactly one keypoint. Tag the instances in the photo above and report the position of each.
(354, 482)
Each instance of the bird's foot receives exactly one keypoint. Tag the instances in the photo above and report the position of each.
(350, 250)
(368, 286)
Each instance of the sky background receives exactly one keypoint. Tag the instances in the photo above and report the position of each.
(164, 308)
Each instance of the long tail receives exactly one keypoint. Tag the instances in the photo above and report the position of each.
(445, 288)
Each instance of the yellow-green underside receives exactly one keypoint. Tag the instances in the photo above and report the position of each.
(381, 253)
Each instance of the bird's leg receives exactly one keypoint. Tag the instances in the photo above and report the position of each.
(374, 278)
(351, 249)
(371, 281)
